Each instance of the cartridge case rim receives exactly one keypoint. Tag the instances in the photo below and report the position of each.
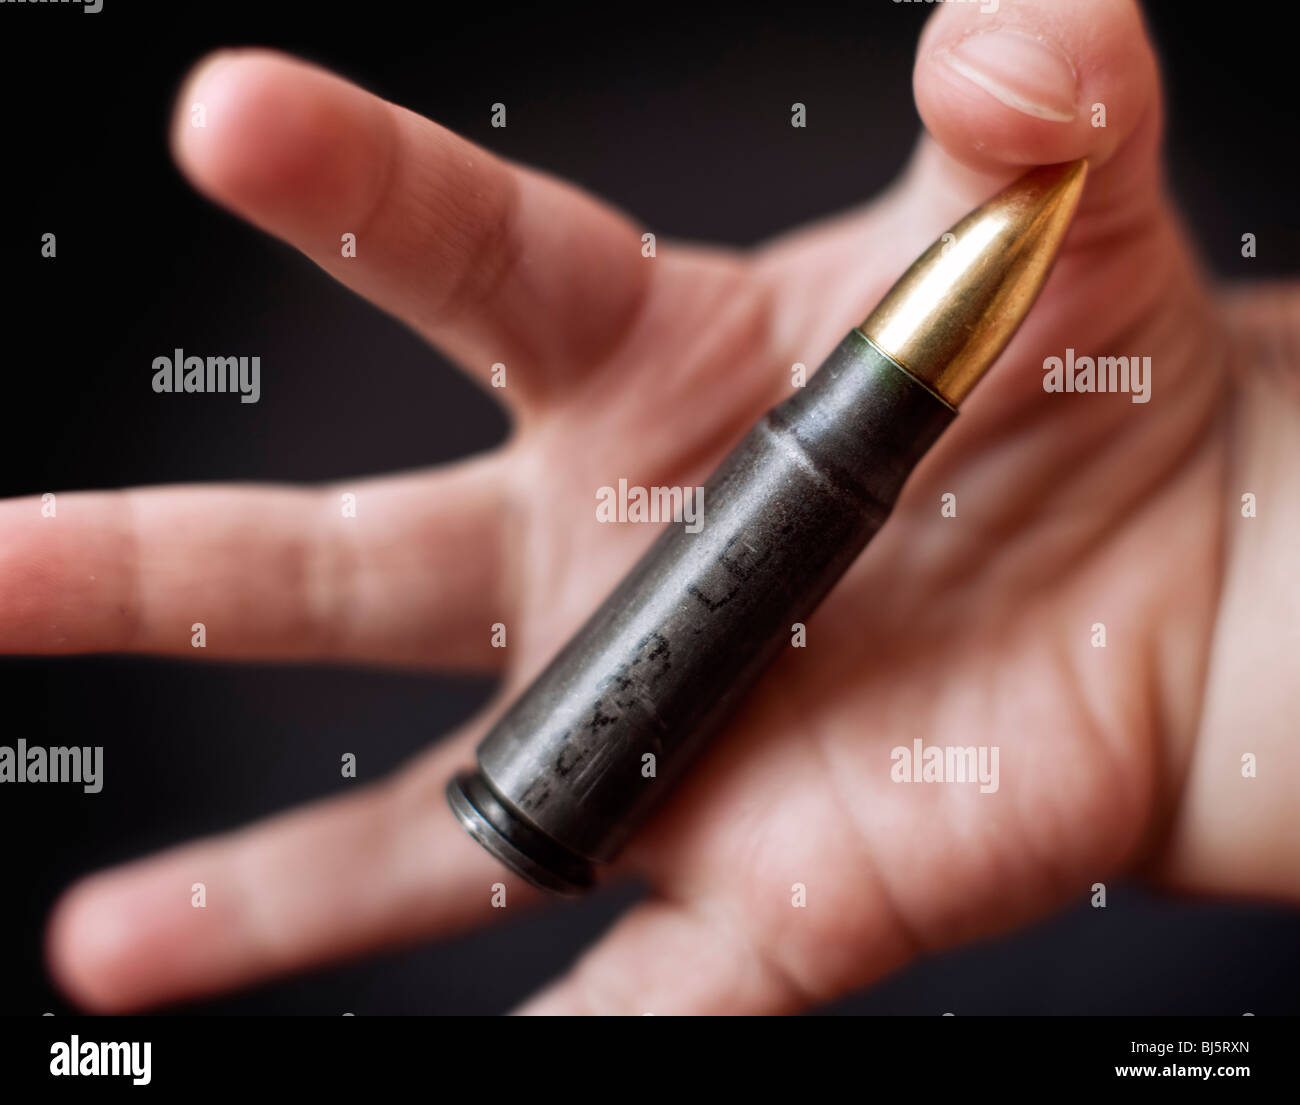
(491, 822)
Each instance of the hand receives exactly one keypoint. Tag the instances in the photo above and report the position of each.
(974, 630)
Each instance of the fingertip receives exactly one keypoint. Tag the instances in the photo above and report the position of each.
(202, 119)
(122, 939)
(83, 946)
(278, 140)
(1018, 83)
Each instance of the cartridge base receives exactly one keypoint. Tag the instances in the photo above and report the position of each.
(529, 853)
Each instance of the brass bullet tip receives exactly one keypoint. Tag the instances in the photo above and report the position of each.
(951, 314)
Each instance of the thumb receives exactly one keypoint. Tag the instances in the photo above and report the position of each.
(1006, 84)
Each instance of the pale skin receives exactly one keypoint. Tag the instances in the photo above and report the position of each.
(974, 630)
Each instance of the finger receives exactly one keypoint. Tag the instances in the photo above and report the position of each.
(492, 262)
(1263, 320)
(669, 959)
(1040, 83)
(329, 881)
(1027, 86)
(408, 570)
(997, 93)
(1048, 82)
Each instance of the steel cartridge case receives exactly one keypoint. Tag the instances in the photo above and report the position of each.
(666, 658)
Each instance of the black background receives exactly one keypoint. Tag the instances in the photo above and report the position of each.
(680, 117)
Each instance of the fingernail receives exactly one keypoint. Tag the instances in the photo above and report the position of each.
(1026, 72)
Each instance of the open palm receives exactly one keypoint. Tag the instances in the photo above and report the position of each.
(969, 630)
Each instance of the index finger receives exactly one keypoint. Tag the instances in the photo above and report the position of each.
(492, 262)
